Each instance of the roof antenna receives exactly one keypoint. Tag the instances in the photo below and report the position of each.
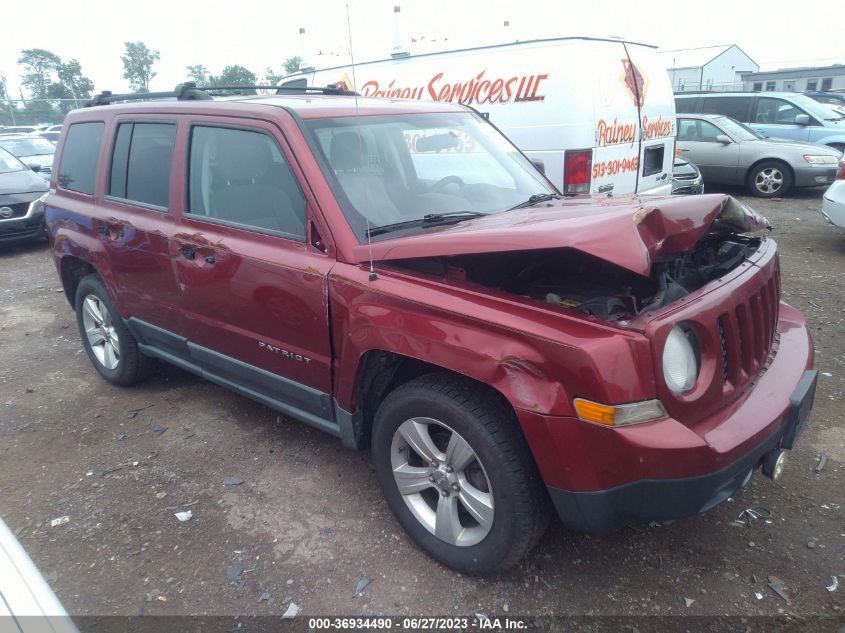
(372, 276)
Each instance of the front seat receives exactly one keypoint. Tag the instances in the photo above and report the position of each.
(365, 191)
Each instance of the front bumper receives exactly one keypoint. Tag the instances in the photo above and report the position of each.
(600, 477)
(815, 175)
(604, 511)
(833, 211)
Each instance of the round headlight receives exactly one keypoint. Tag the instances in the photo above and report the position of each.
(680, 366)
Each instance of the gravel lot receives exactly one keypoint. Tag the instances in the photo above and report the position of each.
(308, 520)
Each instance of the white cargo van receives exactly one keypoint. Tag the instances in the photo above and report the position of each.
(598, 113)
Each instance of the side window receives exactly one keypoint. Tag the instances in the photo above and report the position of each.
(708, 132)
(776, 111)
(687, 130)
(734, 107)
(241, 177)
(140, 167)
(686, 104)
(79, 157)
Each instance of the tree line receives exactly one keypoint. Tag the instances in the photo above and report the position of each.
(55, 87)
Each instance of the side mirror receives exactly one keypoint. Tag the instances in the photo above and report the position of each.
(802, 119)
(724, 139)
(539, 164)
(35, 168)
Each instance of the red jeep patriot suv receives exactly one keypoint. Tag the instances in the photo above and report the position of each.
(399, 275)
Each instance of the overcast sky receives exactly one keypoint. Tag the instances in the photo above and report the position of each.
(258, 34)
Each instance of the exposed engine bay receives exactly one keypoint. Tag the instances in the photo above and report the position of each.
(572, 279)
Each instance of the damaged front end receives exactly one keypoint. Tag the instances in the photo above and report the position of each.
(682, 258)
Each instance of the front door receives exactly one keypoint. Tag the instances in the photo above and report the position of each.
(254, 290)
(698, 141)
(775, 118)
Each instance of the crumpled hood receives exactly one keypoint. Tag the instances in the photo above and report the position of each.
(630, 232)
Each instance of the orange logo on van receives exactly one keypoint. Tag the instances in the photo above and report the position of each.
(635, 82)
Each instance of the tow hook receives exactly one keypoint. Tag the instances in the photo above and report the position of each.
(773, 464)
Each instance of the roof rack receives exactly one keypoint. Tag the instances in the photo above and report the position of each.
(189, 91)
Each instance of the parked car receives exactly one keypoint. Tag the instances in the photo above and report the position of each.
(54, 128)
(19, 129)
(398, 274)
(686, 178)
(834, 99)
(775, 114)
(53, 137)
(730, 153)
(602, 127)
(33, 150)
(21, 200)
(26, 601)
(833, 203)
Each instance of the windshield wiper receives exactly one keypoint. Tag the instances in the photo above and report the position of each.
(537, 198)
(430, 219)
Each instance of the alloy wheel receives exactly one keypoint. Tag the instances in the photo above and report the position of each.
(100, 331)
(442, 481)
(769, 180)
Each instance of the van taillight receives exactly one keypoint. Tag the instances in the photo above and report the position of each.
(577, 165)
(840, 175)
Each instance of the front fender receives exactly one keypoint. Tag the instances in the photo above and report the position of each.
(537, 359)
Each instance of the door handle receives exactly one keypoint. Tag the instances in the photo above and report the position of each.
(188, 252)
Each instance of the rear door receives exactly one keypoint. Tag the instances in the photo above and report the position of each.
(253, 287)
(648, 85)
(135, 220)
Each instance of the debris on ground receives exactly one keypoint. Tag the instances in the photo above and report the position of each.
(184, 516)
(232, 481)
(822, 462)
(749, 515)
(834, 584)
(776, 585)
(688, 602)
(360, 586)
(160, 430)
(292, 611)
(60, 521)
(758, 595)
(235, 570)
(133, 412)
(264, 597)
(161, 495)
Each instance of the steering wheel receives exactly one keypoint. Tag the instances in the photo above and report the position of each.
(448, 180)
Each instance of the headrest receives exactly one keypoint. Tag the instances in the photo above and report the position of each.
(345, 151)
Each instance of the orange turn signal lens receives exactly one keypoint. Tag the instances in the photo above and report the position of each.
(620, 414)
(595, 412)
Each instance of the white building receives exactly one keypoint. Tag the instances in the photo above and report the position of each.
(708, 67)
(797, 79)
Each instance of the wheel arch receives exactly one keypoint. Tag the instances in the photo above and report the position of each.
(770, 159)
(73, 269)
(380, 372)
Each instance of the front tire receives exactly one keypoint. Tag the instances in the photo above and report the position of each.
(457, 473)
(110, 346)
(769, 179)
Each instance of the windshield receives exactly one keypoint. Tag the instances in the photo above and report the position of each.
(399, 168)
(9, 163)
(818, 110)
(736, 129)
(27, 146)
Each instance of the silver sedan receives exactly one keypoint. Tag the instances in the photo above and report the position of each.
(729, 153)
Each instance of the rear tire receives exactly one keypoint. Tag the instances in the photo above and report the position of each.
(472, 497)
(769, 179)
(109, 344)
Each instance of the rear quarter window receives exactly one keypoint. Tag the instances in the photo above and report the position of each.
(79, 157)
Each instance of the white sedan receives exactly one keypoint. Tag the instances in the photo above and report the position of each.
(833, 205)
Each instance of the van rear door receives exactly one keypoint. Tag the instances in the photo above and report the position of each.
(648, 84)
